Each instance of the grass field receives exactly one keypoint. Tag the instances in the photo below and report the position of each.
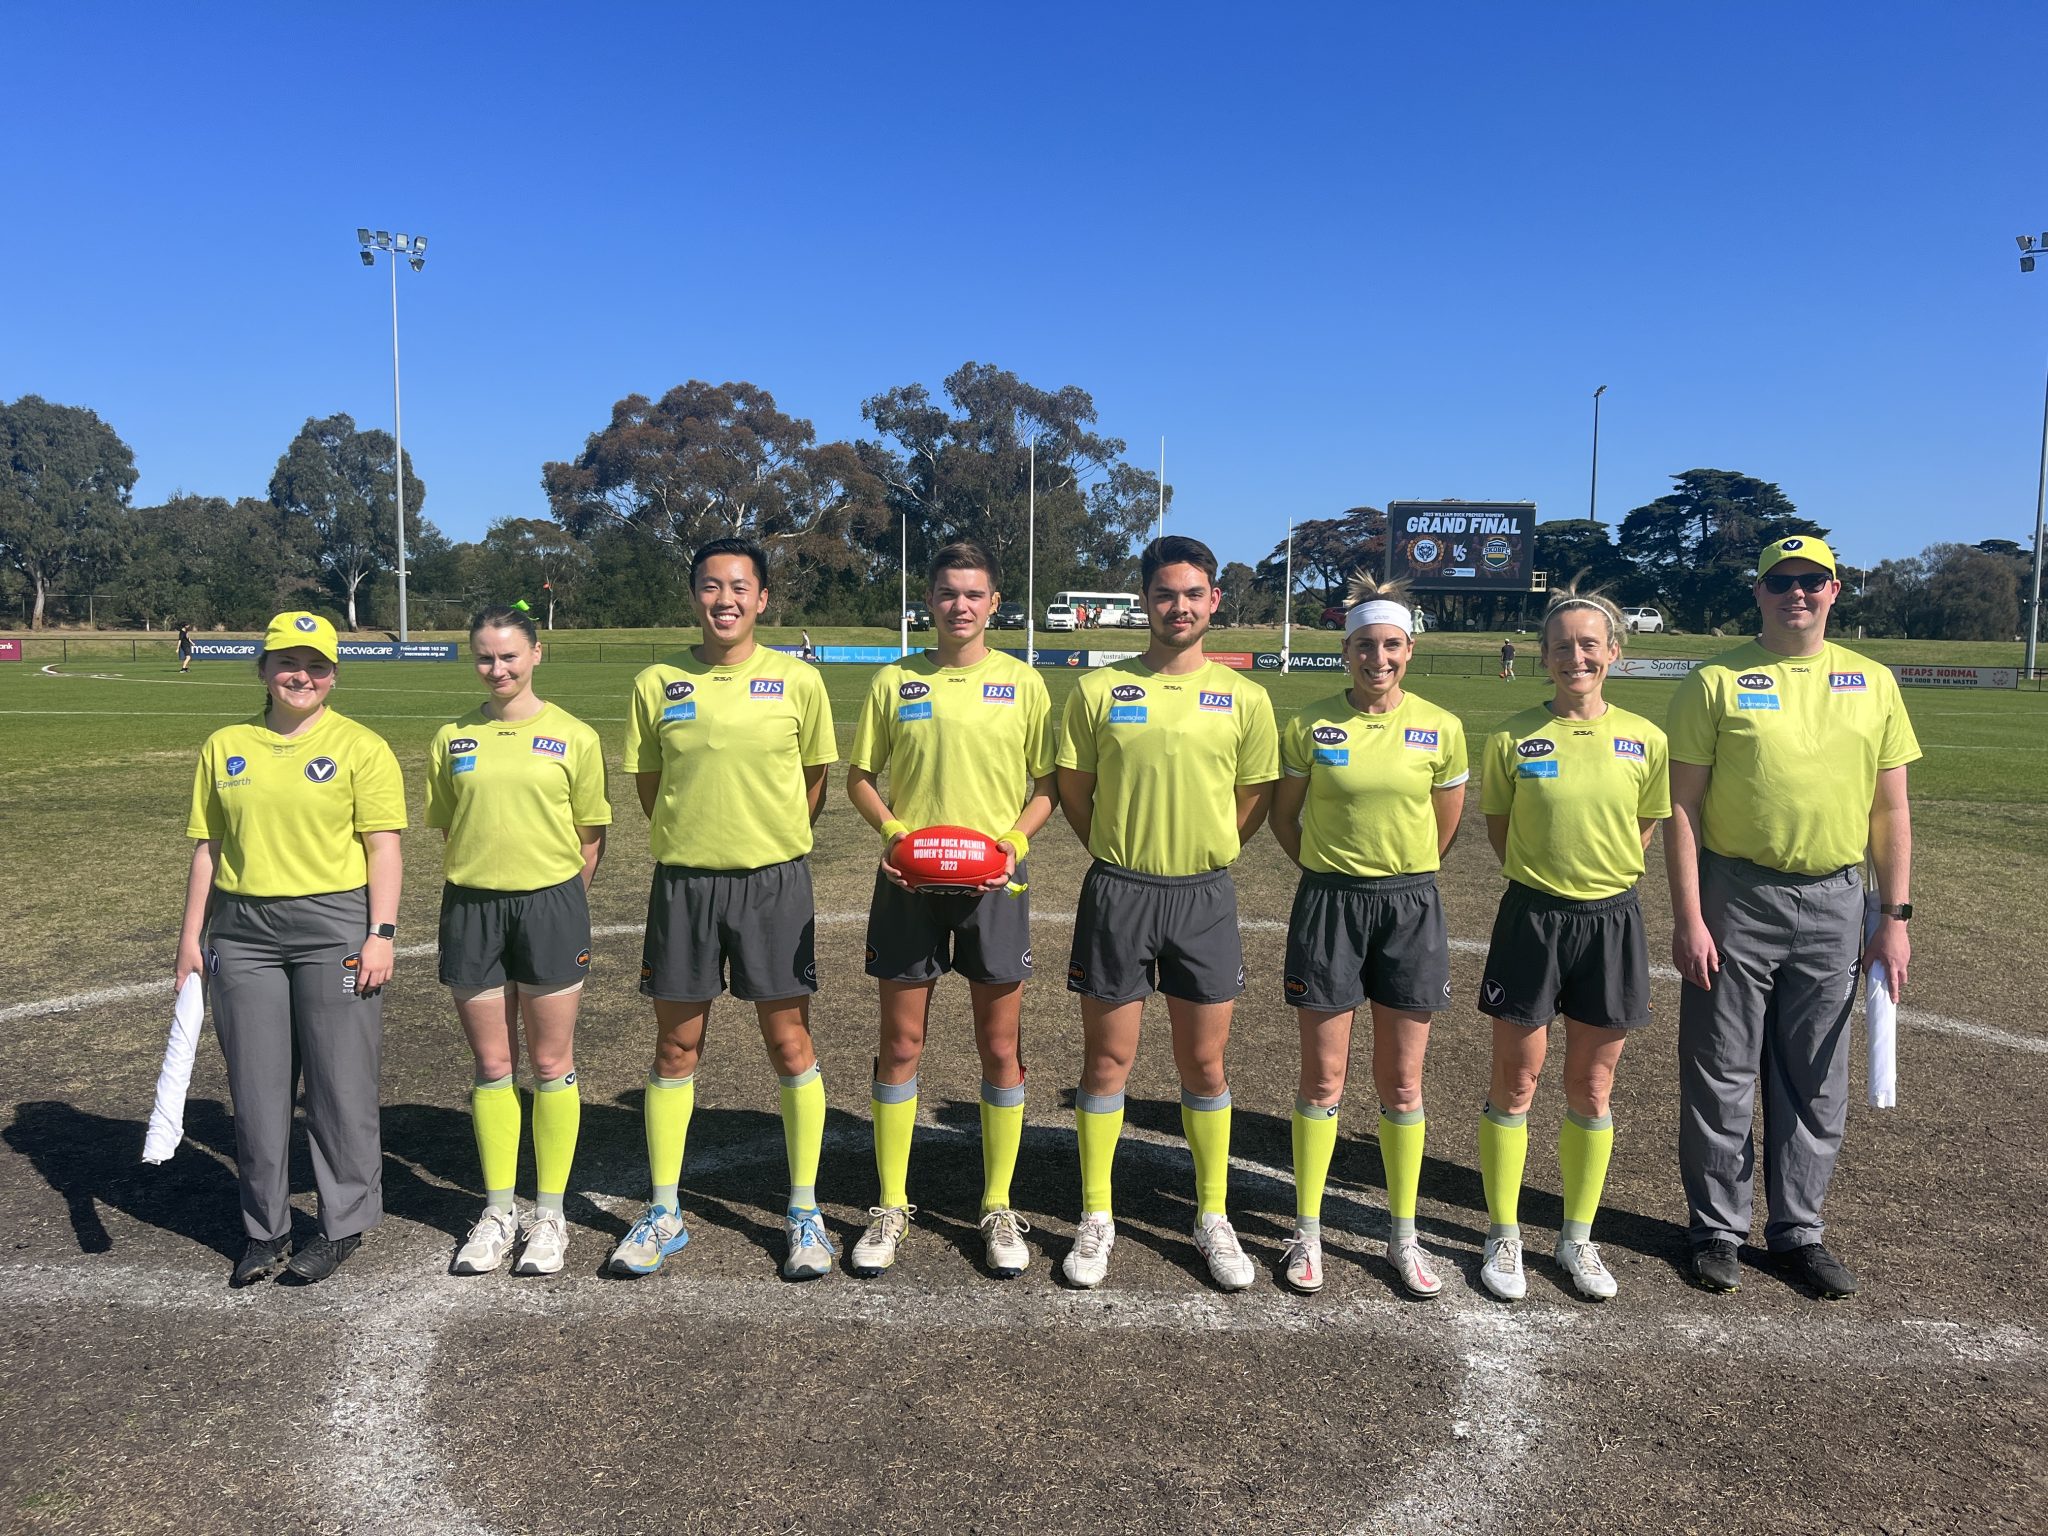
(711, 1397)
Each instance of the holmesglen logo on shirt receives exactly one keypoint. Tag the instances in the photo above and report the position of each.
(685, 711)
(914, 711)
(1421, 741)
(549, 746)
(766, 688)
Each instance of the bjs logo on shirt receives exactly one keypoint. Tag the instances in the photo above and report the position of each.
(1216, 701)
(999, 693)
(1422, 741)
(766, 688)
(1623, 747)
(548, 746)
(1847, 682)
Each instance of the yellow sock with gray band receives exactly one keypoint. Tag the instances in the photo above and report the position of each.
(894, 1106)
(1002, 1133)
(1584, 1146)
(494, 1116)
(803, 1133)
(1098, 1122)
(1401, 1135)
(1503, 1153)
(667, 1113)
(1315, 1143)
(557, 1116)
(1205, 1121)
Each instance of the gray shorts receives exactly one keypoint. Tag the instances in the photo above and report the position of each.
(1587, 960)
(1177, 933)
(916, 937)
(762, 923)
(1352, 937)
(535, 938)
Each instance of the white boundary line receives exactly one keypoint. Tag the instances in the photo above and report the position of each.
(1912, 1018)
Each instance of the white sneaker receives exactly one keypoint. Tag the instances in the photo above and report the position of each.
(810, 1246)
(1418, 1275)
(1216, 1241)
(888, 1225)
(1301, 1266)
(1002, 1235)
(546, 1244)
(1087, 1262)
(1502, 1271)
(1588, 1270)
(653, 1238)
(488, 1242)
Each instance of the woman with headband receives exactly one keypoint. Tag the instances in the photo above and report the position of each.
(1373, 787)
(1571, 789)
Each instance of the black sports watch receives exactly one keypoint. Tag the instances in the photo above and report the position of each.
(1903, 911)
(384, 930)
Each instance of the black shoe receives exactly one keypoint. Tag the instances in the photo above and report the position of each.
(263, 1258)
(322, 1257)
(1820, 1271)
(1713, 1266)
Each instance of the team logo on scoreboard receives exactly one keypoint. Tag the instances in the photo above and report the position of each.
(1497, 553)
(1425, 552)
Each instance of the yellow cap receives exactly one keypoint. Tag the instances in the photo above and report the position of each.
(1801, 546)
(301, 628)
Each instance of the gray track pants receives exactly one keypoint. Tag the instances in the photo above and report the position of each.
(1779, 1007)
(282, 972)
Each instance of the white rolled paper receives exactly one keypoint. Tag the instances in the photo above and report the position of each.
(167, 1115)
(1880, 1020)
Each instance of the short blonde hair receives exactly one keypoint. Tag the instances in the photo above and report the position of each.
(1567, 597)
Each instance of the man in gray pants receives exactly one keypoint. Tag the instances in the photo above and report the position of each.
(1788, 762)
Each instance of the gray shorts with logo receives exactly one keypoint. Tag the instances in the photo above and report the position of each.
(1354, 937)
(1177, 933)
(761, 924)
(1587, 960)
(916, 937)
(534, 938)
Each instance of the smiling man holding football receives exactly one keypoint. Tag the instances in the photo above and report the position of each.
(728, 743)
(1167, 764)
(1788, 760)
(965, 734)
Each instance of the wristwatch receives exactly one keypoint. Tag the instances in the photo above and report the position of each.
(384, 930)
(1903, 911)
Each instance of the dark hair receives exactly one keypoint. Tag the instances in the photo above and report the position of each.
(745, 547)
(504, 616)
(1173, 549)
(964, 555)
(262, 660)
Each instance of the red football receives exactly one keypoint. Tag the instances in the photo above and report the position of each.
(943, 859)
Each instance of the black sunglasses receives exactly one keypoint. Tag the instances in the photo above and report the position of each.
(1805, 581)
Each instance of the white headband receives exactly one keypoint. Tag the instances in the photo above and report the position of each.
(1379, 611)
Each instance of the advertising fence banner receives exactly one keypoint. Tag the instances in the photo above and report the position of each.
(10, 650)
(1652, 666)
(1301, 661)
(347, 650)
(1957, 677)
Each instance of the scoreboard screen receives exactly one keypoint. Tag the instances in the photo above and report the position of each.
(1462, 546)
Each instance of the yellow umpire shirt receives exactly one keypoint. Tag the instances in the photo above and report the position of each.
(512, 794)
(962, 745)
(1370, 777)
(1576, 793)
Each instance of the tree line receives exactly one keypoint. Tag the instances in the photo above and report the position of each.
(711, 460)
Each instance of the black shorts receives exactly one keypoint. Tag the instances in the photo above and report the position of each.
(916, 937)
(762, 923)
(1588, 960)
(1177, 933)
(1352, 937)
(534, 938)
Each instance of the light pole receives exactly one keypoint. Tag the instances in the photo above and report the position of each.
(1162, 487)
(1031, 560)
(1593, 496)
(2027, 247)
(903, 600)
(414, 249)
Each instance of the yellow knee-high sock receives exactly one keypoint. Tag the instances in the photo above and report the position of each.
(669, 1103)
(1315, 1143)
(1503, 1153)
(1584, 1145)
(1401, 1136)
(1205, 1121)
(1002, 1133)
(557, 1117)
(494, 1116)
(803, 1133)
(1098, 1122)
(895, 1110)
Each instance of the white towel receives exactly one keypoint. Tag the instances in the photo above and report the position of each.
(1880, 1019)
(167, 1116)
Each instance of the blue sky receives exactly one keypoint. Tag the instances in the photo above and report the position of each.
(1334, 256)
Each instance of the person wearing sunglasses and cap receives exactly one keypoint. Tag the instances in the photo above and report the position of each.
(1788, 762)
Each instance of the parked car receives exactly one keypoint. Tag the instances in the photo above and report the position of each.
(1133, 617)
(1060, 616)
(1008, 616)
(1643, 621)
(1333, 616)
(920, 616)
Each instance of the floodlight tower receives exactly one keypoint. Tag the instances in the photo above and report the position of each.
(2027, 251)
(414, 249)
